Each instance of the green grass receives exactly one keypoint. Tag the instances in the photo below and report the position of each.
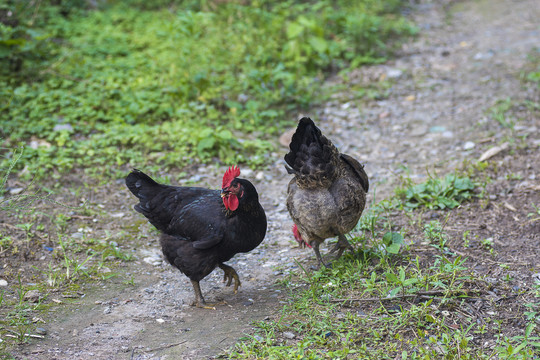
(437, 193)
(166, 86)
(379, 305)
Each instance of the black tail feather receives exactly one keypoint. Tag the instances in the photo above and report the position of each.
(308, 134)
(140, 184)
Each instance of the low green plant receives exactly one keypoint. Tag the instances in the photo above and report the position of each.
(435, 235)
(501, 112)
(534, 215)
(435, 193)
(127, 85)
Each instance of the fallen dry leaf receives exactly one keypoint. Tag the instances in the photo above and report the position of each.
(509, 207)
(493, 151)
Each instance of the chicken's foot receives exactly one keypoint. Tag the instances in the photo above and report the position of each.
(229, 275)
(341, 245)
(318, 254)
(199, 299)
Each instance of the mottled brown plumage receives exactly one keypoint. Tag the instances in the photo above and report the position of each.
(328, 192)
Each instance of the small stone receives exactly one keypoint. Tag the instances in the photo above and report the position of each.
(60, 127)
(154, 260)
(248, 303)
(75, 333)
(394, 73)
(468, 145)
(288, 335)
(3, 282)
(258, 337)
(41, 331)
(32, 296)
(107, 310)
(149, 290)
(16, 191)
(437, 129)
(448, 134)
(419, 131)
(195, 178)
(160, 321)
(259, 176)
(410, 98)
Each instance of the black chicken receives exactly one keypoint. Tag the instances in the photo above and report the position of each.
(328, 192)
(202, 228)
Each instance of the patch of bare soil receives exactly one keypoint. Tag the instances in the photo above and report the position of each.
(467, 57)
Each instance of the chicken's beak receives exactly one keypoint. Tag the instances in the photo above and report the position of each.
(224, 192)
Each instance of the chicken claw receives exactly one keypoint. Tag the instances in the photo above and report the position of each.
(341, 245)
(229, 275)
(199, 299)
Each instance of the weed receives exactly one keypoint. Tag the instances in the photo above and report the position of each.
(465, 236)
(435, 235)
(132, 99)
(446, 193)
(534, 215)
(499, 112)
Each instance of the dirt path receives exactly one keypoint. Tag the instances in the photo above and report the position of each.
(466, 58)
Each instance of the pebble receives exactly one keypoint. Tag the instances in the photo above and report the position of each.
(484, 56)
(258, 337)
(153, 260)
(16, 191)
(394, 73)
(60, 127)
(3, 282)
(288, 335)
(437, 129)
(41, 331)
(160, 321)
(32, 296)
(448, 134)
(468, 145)
(107, 310)
(419, 131)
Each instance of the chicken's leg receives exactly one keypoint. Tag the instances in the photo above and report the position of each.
(229, 275)
(341, 245)
(318, 254)
(199, 300)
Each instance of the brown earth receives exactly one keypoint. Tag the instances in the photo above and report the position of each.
(429, 111)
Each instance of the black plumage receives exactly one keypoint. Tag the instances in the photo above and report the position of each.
(202, 228)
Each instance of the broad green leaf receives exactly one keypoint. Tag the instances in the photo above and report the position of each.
(294, 29)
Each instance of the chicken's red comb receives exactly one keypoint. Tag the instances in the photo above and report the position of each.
(231, 173)
(296, 233)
